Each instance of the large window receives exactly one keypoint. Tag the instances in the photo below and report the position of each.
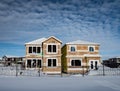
(29, 63)
(34, 49)
(91, 49)
(75, 63)
(34, 63)
(52, 62)
(51, 48)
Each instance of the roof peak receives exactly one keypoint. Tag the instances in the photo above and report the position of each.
(40, 40)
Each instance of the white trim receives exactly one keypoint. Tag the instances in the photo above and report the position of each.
(86, 50)
(52, 52)
(51, 66)
(92, 55)
(52, 56)
(75, 56)
(77, 69)
(52, 72)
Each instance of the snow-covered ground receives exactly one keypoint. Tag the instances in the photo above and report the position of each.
(11, 71)
(79, 83)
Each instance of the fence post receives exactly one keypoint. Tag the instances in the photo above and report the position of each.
(39, 71)
(83, 71)
(103, 70)
(16, 69)
(61, 71)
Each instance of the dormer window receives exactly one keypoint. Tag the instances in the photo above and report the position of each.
(91, 49)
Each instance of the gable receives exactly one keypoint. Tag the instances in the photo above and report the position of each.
(52, 40)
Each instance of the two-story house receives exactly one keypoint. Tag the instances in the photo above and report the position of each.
(79, 56)
(44, 54)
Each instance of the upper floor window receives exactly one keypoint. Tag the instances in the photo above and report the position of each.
(52, 48)
(91, 49)
(72, 49)
(34, 49)
(30, 49)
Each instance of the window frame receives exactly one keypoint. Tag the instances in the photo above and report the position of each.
(91, 47)
(34, 49)
(71, 47)
(52, 50)
(36, 62)
(52, 63)
(75, 62)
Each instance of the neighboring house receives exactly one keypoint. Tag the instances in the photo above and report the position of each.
(10, 60)
(80, 56)
(1, 60)
(112, 62)
(44, 54)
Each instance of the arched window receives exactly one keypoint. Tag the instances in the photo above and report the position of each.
(76, 63)
(91, 49)
(72, 48)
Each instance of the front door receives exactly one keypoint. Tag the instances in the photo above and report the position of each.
(93, 64)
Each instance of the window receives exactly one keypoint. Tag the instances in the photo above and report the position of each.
(51, 48)
(91, 49)
(54, 48)
(38, 50)
(52, 62)
(39, 63)
(29, 63)
(34, 63)
(30, 49)
(34, 49)
(72, 49)
(75, 63)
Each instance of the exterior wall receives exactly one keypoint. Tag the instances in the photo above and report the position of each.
(82, 49)
(79, 54)
(56, 55)
(32, 55)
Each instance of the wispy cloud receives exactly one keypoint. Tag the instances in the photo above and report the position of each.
(92, 20)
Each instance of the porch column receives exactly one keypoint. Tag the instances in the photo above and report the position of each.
(26, 63)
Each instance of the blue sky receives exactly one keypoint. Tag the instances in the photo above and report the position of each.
(22, 21)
